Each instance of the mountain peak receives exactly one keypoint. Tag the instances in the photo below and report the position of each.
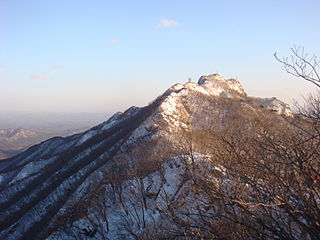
(218, 85)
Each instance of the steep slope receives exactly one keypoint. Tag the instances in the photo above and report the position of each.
(41, 184)
(61, 166)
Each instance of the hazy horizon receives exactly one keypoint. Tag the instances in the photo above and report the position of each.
(105, 56)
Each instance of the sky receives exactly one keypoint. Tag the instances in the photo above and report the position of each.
(105, 56)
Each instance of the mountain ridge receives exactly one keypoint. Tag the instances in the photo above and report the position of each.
(37, 185)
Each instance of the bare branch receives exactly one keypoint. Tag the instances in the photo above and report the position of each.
(301, 65)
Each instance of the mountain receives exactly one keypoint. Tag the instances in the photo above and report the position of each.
(134, 162)
(20, 130)
(50, 121)
(15, 140)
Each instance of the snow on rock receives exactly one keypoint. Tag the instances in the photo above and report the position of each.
(176, 87)
(170, 115)
(172, 111)
(217, 85)
(273, 104)
(196, 87)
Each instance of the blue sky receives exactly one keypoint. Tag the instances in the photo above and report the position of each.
(104, 56)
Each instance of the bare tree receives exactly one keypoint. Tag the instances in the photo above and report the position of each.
(307, 67)
(260, 181)
(302, 65)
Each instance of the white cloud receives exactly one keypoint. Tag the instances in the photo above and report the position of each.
(112, 41)
(56, 67)
(165, 23)
(40, 77)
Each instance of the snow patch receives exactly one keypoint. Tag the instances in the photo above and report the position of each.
(86, 136)
(196, 87)
(273, 104)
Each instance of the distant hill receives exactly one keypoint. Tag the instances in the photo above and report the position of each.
(18, 131)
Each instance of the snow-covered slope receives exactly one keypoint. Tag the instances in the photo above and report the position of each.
(42, 184)
(144, 201)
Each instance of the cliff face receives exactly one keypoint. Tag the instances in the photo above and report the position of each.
(42, 184)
